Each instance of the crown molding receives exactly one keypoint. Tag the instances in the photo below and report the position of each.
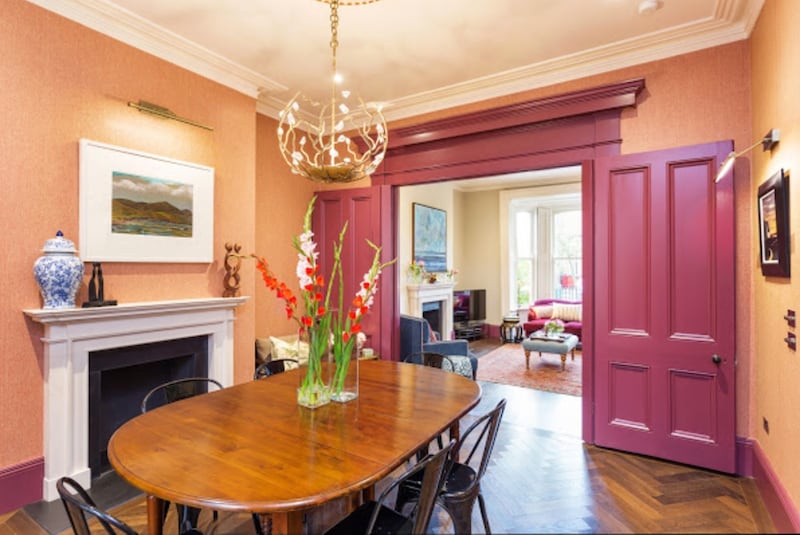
(724, 27)
(122, 25)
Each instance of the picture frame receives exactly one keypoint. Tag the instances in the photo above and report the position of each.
(773, 225)
(140, 207)
(430, 237)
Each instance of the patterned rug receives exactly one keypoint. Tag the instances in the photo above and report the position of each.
(506, 365)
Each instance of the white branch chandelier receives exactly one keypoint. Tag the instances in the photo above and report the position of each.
(341, 144)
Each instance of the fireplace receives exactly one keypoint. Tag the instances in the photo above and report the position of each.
(432, 312)
(119, 379)
(425, 295)
(72, 335)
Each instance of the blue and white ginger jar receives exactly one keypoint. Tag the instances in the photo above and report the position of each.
(58, 273)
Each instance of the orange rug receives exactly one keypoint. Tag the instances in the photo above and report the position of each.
(506, 365)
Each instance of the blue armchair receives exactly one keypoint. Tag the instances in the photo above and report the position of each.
(415, 338)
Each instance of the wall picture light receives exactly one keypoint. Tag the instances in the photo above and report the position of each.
(769, 141)
(155, 109)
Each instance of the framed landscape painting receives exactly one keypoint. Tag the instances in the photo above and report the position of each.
(139, 207)
(773, 222)
(430, 237)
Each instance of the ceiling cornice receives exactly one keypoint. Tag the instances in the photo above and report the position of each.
(120, 24)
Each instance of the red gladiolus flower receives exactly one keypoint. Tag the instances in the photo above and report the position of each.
(352, 315)
(355, 328)
(345, 336)
(321, 311)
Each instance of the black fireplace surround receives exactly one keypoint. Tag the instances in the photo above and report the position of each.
(119, 378)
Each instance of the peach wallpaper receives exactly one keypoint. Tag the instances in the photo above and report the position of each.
(776, 396)
(62, 82)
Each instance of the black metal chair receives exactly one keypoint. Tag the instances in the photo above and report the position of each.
(463, 483)
(271, 367)
(80, 508)
(433, 360)
(171, 392)
(375, 517)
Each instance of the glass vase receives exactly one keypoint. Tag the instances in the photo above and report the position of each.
(314, 389)
(344, 384)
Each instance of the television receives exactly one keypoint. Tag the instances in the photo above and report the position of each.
(469, 305)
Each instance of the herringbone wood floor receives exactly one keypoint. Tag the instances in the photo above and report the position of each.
(546, 481)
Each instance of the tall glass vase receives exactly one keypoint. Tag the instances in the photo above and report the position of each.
(344, 384)
(314, 389)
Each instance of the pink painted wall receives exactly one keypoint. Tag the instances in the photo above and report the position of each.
(61, 82)
(776, 368)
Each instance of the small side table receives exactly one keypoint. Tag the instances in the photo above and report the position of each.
(510, 329)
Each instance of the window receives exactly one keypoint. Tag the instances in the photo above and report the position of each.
(546, 249)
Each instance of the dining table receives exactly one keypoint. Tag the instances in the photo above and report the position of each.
(251, 448)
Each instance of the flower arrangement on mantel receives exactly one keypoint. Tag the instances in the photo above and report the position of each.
(323, 329)
(418, 273)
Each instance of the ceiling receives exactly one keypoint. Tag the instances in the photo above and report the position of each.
(413, 56)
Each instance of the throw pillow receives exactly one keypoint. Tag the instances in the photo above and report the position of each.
(263, 348)
(540, 312)
(567, 312)
(281, 349)
(432, 334)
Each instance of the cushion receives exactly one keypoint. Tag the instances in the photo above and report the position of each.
(567, 312)
(263, 350)
(540, 312)
(283, 349)
(461, 364)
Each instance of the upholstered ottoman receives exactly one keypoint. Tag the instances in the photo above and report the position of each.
(541, 343)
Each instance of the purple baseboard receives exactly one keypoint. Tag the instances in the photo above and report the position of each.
(783, 511)
(21, 484)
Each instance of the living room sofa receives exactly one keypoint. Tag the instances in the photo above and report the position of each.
(570, 312)
(415, 337)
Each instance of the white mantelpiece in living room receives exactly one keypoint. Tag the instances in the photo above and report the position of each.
(419, 294)
(71, 334)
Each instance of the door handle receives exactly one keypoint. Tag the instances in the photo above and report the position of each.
(716, 359)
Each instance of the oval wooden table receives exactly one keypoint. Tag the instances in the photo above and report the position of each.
(251, 448)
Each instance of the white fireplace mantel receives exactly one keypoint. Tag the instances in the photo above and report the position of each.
(419, 294)
(70, 335)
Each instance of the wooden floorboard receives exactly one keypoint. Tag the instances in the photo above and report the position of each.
(543, 479)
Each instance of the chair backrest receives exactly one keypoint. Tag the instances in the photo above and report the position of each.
(434, 469)
(177, 390)
(481, 434)
(79, 504)
(271, 367)
(431, 359)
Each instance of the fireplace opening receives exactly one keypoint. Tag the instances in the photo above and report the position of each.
(120, 377)
(432, 312)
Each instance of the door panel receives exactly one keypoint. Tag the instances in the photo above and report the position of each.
(361, 209)
(664, 306)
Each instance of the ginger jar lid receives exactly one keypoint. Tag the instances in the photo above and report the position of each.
(59, 244)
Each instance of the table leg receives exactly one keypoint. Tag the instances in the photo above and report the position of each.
(287, 522)
(154, 507)
(563, 362)
(527, 359)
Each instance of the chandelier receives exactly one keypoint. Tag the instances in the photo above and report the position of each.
(332, 141)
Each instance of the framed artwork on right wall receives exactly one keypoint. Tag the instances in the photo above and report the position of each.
(773, 225)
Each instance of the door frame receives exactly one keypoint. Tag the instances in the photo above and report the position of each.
(566, 130)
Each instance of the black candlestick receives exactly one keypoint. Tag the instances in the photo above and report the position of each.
(96, 289)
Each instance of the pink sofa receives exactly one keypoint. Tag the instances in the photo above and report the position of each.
(536, 321)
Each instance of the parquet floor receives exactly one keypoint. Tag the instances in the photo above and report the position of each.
(543, 479)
